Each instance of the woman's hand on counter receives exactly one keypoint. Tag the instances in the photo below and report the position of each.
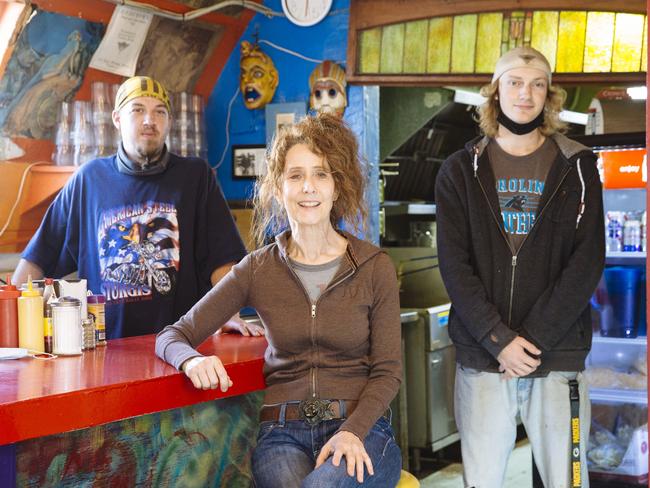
(236, 324)
(207, 373)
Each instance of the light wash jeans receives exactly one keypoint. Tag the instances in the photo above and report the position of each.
(486, 408)
(286, 454)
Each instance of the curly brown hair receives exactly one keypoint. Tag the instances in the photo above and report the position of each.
(326, 136)
(489, 111)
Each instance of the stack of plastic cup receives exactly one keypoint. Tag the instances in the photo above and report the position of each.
(641, 304)
(117, 138)
(183, 130)
(64, 153)
(622, 282)
(102, 122)
(201, 148)
(83, 133)
(187, 135)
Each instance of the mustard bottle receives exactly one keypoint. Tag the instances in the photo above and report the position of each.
(30, 319)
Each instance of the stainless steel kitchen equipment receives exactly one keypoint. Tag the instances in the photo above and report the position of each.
(429, 371)
(420, 282)
(428, 355)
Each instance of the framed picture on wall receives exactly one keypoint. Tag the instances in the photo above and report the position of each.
(248, 161)
(279, 115)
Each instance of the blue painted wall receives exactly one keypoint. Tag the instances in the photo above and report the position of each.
(326, 40)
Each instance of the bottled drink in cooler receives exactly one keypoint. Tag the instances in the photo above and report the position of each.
(644, 239)
(614, 231)
(632, 236)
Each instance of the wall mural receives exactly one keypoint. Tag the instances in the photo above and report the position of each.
(207, 444)
(46, 67)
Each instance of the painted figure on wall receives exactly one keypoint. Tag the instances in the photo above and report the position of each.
(176, 54)
(46, 67)
(258, 77)
(327, 89)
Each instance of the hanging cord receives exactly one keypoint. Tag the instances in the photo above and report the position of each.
(18, 197)
(196, 13)
(289, 51)
(225, 149)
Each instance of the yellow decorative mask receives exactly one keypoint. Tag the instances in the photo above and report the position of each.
(258, 77)
(327, 86)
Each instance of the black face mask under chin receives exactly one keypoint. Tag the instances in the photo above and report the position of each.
(520, 129)
(126, 166)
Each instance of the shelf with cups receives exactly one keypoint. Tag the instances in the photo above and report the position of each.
(622, 258)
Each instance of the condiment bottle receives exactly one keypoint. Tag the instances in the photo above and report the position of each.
(88, 327)
(49, 296)
(9, 314)
(30, 319)
(96, 308)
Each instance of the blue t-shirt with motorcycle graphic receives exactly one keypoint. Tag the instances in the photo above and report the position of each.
(148, 243)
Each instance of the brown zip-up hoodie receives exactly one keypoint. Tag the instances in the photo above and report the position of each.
(345, 346)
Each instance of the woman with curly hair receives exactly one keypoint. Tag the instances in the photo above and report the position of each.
(330, 305)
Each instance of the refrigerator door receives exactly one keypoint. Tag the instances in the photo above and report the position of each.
(441, 370)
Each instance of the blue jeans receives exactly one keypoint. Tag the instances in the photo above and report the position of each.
(286, 454)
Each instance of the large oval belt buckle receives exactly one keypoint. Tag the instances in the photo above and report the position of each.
(315, 411)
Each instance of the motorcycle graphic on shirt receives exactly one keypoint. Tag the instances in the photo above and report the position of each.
(138, 251)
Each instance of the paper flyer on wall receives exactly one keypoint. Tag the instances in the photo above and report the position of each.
(119, 50)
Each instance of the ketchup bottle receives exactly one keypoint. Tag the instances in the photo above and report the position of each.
(9, 314)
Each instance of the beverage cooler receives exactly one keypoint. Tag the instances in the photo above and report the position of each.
(616, 368)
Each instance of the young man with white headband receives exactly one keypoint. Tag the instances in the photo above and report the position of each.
(148, 229)
(521, 250)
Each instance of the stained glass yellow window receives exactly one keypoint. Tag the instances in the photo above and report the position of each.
(627, 55)
(463, 44)
(439, 45)
(598, 42)
(573, 42)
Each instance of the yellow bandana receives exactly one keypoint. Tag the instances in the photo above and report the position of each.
(141, 86)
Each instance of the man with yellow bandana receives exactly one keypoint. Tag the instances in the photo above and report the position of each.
(148, 229)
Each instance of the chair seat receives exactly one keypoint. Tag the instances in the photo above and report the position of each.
(407, 480)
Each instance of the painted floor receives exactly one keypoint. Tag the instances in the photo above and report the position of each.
(518, 475)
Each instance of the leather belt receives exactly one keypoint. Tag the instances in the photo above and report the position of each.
(310, 411)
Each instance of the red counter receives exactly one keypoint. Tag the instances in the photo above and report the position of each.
(122, 380)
